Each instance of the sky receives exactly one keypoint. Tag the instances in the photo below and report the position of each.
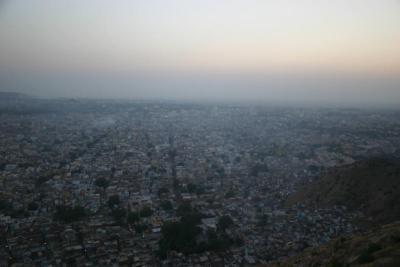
(342, 51)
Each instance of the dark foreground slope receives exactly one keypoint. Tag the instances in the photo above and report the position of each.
(380, 247)
(370, 186)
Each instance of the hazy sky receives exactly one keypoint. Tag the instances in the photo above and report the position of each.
(265, 50)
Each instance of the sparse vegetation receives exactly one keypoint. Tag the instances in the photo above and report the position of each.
(69, 214)
(102, 182)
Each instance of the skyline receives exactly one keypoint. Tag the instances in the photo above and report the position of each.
(318, 51)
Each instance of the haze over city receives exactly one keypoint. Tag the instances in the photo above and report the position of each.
(319, 52)
(190, 133)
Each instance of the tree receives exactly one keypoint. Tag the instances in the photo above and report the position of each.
(179, 236)
(69, 214)
(182, 236)
(218, 242)
(239, 241)
(230, 194)
(118, 215)
(113, 201)
(176, 184)
(258, 168)
(200, 190)
(102, 182)
(166, 205)
(146, 212)
(33, 206)
(221, 172)
(162, 191)
(189, 214)
(41, 180)
(7, 209)
(184, 209)
(133, 217)
(5, 205)
(224, 222)
(140, 228)
(191, 188)
(263, 220)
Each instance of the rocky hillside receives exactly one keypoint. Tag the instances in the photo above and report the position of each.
(370, 186)
(380, 247)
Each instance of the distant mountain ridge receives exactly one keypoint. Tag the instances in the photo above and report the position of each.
(12, 95)
(371, 186)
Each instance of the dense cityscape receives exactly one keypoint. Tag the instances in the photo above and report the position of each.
(120, 183)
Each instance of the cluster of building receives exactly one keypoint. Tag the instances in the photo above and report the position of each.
(234, 161)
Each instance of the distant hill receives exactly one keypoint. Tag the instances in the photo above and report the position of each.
(380, 247)
(12, 96)
(371, 186)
